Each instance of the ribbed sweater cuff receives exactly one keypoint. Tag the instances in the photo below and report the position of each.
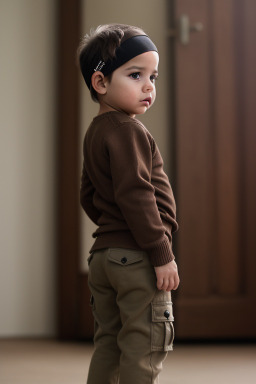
(161, 254)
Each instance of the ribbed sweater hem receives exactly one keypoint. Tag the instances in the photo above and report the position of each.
(159, 255)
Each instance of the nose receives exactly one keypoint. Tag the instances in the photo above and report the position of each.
(148, 86)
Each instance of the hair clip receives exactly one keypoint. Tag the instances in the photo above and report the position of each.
(99, 66)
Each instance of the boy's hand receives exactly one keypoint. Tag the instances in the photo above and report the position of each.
(167, 276)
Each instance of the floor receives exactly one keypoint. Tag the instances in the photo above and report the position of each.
(52, 362)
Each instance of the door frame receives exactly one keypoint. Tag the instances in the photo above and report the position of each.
(67, 199)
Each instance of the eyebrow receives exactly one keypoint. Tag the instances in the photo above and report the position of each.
(135, 67)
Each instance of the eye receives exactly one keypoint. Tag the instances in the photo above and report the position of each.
(153, 78)
(135, 75)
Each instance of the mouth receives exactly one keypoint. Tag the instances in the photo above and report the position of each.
(147, 101)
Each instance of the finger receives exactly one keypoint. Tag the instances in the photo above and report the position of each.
(159, 283)
(176, 283)
(171, 285)
(165, 284)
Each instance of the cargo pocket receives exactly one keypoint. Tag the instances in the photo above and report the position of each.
(162, 332)
(125, 257)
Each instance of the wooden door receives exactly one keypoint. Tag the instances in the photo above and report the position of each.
(214, 97)
(215, 141)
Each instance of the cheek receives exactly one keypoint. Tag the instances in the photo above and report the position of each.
(126, 93)
(120, 91)
(154, 95)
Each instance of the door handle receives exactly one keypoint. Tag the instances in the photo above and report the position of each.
(184, 28)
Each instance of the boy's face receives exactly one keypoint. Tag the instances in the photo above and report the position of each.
(132, 86)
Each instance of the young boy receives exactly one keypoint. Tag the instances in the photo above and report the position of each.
(125, 191)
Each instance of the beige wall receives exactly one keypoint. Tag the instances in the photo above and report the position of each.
(27, 126)
(151, 16)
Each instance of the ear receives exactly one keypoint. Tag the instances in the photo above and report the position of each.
(98, 82)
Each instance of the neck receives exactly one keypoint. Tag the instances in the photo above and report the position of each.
(108, 108)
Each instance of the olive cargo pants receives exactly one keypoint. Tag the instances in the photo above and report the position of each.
(133, 319)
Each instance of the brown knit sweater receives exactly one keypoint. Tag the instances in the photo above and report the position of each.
(124, 189)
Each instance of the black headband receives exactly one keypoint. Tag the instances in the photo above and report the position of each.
(130, 48)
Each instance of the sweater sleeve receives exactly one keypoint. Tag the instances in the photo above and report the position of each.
(130, 156)
(86, 197)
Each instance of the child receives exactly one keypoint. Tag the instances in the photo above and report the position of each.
(125, 191)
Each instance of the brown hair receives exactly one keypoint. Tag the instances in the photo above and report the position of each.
(104, 40)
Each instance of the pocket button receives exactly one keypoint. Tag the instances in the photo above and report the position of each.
(124, 260)
(166, 314)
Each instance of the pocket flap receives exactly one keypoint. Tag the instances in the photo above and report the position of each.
(125, 257)
(162, 312)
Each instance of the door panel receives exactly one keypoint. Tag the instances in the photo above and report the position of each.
(216, 170)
